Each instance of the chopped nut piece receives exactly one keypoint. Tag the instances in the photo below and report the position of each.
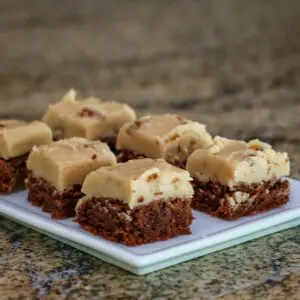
(152, 177)
(175, 180)
(85, 112)
(140, 199)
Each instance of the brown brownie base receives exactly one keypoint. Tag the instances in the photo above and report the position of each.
(216, 199)
(111, 142)
(12, 173)
(60, 204)
(127, 154)
(115, 221)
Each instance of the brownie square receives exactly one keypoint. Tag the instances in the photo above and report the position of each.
(232, 179)
(57, 171)
(89, 118)
(137, 202)
(168, 136)
(16, 141)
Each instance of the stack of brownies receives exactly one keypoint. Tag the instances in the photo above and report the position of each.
(135, 181)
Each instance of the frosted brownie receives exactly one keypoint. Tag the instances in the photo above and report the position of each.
(137, 202)
(170, 137)
(89, 118)
(234, 178)
(16, 140)
(57, 171)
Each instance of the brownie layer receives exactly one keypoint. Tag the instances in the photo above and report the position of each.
(115, 221)
(12, 173)
(127, 154)
(60, 204)
(218, 200)
(58, 134)
(110, 141)
(179, 164)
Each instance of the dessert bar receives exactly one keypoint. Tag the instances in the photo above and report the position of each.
(137, 202)
(89, 118)
(170, 137)
(57, 171)
(16, 140)
(233, 178)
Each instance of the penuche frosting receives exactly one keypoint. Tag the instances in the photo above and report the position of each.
(231, 162)
(171, 137)
(139, 182)
(67, 162)
(90, 118)
(18, 137)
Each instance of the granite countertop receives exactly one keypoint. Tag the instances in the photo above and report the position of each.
(233, 65)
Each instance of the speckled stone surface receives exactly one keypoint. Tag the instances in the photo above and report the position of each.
(234, 65)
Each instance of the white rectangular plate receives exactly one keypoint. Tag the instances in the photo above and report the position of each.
(208, 234)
